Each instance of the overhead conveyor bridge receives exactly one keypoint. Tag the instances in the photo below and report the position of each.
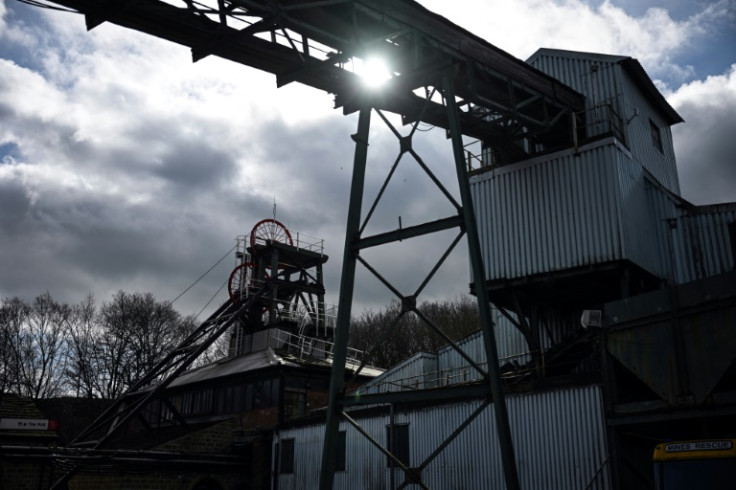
(503, 102)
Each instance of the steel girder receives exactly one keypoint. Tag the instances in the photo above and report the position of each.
(503, 101)
(491, 390)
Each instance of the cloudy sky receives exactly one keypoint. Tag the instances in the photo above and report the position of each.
(123, 165)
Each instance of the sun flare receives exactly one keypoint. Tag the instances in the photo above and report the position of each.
(374, 72)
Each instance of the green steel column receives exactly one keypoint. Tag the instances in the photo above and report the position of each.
(486, 321)
(347, 281)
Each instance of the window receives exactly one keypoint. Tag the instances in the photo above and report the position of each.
(286, 459)
(656, 136)
(295, 403)
(397, 438)
(197, 402)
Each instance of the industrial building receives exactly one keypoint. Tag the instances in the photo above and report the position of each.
(612, 296)
(594, 230)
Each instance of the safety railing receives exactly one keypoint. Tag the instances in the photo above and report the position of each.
(597, 122)
(446, 377)
(302, 241)
(302, 346)
(321, 321)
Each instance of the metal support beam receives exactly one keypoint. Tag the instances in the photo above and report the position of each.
(409, 232)
(484, 305)
(347, 283)
(438, 395)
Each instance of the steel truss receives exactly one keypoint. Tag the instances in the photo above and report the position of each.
(505, 103)
(464, 220)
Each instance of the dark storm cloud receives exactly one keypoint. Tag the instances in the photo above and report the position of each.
(183, 162)
(14, 205)
(706, 150)
(37, 136)
(704, 144)
(191, 165)
(71, 244)
(319, 161)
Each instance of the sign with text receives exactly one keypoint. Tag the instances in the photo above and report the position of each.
(27, 424)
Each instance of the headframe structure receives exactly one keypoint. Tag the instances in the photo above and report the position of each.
(442, 75)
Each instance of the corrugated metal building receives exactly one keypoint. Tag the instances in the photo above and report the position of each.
(605, 214)
(567, 230)
(620, 84)
(447, 367)
(559, 436)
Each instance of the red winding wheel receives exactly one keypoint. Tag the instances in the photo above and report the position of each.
(269, 230)
(241, 280)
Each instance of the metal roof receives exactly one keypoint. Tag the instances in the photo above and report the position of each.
(632, 67)
(248, 363)
(256, 361)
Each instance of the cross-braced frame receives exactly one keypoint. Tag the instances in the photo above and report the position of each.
(464, 221)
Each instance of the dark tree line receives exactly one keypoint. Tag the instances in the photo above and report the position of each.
(50, 349)
(456, 318)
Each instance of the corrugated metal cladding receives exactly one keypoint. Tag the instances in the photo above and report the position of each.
(600, 85)
(427, 370)
(559, 441)
(639, 220)
(510, 344)
(448, 366)
(603, 80)
(693, 242)
(661, 164)
(551, 213)
(703, 242)
(417, 372)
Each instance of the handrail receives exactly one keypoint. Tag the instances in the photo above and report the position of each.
(445, 377)
(303, 346)
(302, 241)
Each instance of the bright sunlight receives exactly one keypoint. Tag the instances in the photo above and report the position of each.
(373, 71)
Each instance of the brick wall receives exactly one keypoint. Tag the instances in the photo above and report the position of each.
(19, 475)
(215, 439)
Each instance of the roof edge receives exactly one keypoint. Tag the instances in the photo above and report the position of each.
(633, 68)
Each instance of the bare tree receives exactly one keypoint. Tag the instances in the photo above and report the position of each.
(50, 349)
(83, 350)
(35, 354)
(44, 372)
(137, 332)
(410, 333)
(13, 316)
